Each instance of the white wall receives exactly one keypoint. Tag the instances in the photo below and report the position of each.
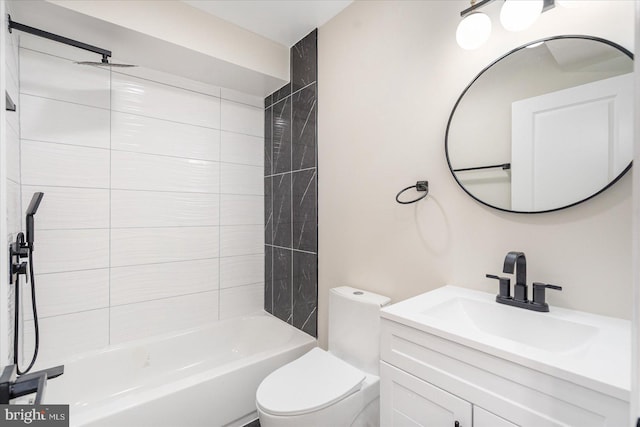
(391, 72)
(153, 209)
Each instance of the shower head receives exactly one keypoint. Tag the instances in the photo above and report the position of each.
(105, 63)
(106, 54)
(35, 203)
(31, 211)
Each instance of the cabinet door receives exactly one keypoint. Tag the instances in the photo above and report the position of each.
(482, 418)
(406, 401)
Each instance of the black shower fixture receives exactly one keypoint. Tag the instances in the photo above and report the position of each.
(106, 54)
(31, 211)
(18, 251)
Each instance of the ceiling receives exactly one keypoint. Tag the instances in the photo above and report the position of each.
(283, 21)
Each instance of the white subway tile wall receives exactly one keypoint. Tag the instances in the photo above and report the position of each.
(240, 300)
(152, 219)
(13, 151)
(48, 120)
(66, 335)
(11, 163)
(140, 320)
(84, 290)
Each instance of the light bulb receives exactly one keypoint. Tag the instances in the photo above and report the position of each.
(473, 31)
(518, 15)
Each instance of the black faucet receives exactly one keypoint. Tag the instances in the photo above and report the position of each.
(518, 262)
(13, 386)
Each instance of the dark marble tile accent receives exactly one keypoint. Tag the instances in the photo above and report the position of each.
(305, 220)
(304, 63)
(281, 93)
(282, 259)
(305, 292)
(303, 124)
(282, 210)
(291, 241)
(268, 279)
(268, 211)
(268, 142)
(281, 128)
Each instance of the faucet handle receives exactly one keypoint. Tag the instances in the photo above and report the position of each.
(505, 286)
(539, 294)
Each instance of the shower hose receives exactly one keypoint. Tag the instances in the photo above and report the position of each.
(20, 239)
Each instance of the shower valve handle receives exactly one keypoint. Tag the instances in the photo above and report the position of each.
(19, 268)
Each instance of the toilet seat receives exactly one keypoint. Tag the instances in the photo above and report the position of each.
(310, 383)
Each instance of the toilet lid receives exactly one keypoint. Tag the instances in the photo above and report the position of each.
(312, 382)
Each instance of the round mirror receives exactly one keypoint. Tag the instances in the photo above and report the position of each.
(547, 126)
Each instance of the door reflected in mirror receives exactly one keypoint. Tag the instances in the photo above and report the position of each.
(545, 127)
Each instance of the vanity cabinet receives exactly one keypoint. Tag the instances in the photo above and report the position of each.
(408, 401)
(428, 380)
(411, 402)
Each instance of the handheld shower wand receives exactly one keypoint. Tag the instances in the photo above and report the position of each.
(19, 250)
(31, 211)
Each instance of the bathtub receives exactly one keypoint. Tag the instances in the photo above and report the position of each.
(200, 377)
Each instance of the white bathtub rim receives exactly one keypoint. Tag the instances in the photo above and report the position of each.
(129, 401)
(164, 336)
(196, 378)
(112, 404)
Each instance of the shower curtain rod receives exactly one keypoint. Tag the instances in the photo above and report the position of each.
(60, 39)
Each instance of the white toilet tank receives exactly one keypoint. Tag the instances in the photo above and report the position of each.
(354, 326)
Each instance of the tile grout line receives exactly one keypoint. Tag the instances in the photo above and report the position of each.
(110, 184)
(143, 190)
(220, 209)
(20, 338)
(271, 201)
(148, 264)
(291, 194)
(108, 307)
(140, 227)
(143, 153)
(162, 119)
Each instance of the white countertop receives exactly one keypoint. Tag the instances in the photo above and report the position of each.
(596, 352)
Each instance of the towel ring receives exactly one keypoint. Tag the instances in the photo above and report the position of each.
(420, 186)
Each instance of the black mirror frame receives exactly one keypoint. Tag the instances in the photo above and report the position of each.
(446, 138)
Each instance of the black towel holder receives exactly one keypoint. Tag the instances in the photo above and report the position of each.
(422, 186)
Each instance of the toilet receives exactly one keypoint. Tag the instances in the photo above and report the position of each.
(335, 388)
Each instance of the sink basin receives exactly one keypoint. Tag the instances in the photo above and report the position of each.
(534, 329)
(583, 348)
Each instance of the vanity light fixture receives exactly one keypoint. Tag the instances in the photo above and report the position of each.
(515, 15)
(473, 30)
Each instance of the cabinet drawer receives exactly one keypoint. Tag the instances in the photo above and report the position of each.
(406, 401)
